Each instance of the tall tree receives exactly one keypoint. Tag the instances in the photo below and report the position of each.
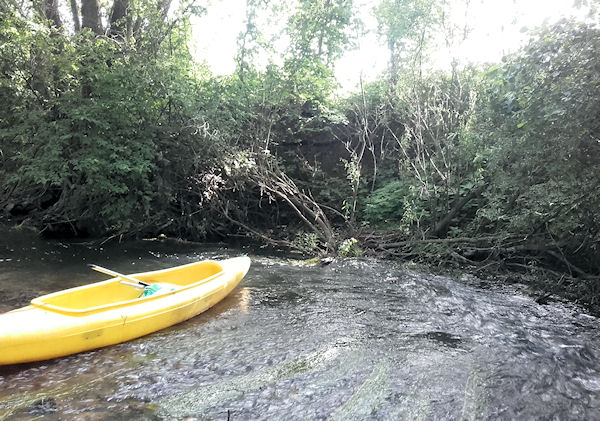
(90, 14)
(120, 19)
(75, 15)
(320, 29)
(407, 26)
(247, 39)
(51, 12)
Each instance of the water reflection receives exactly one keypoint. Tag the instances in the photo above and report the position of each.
(358, 339)
(245, 297)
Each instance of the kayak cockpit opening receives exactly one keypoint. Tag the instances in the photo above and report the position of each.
(114, 292)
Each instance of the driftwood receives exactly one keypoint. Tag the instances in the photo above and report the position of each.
(478, 252)
(441, 227)
(535, 260)
(277, 186)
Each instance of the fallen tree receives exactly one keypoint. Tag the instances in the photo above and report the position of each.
(532, 259)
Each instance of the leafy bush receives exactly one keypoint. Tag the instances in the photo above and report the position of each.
(88, 137)
(387, 204)
(349, 248)
(306, 242)
(539, 129)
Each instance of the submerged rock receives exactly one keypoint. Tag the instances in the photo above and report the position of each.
(43, 406)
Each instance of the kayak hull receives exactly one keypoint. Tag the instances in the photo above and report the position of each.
(76, 320)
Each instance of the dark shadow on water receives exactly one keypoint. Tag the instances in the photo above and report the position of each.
(443, 338)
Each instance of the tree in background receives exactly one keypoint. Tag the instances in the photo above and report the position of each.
(278, 109)
(408, 26)
(539, 136)
(85, 134)
(320, 30)
(421, 118)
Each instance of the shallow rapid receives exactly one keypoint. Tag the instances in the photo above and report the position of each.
(357, 339)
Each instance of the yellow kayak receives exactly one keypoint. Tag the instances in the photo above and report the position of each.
(114, 311)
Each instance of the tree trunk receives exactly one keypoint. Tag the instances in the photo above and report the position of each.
(163, 7)
(441, 228)
(90, 13)
(118, 19)
(75, 13)
(51, 12)
(394, 62)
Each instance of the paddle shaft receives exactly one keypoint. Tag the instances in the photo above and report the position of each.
(120, 275)
(131, 284)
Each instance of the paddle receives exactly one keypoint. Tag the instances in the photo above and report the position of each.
(138, 286)
(120, 275)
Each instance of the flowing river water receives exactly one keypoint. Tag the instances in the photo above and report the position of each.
(359, 339)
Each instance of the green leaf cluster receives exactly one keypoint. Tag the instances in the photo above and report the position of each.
(538, 128)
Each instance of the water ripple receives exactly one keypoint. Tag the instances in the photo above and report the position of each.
(357, 339)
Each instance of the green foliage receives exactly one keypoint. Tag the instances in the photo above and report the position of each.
(320, 29)
(398, 205)
(539, 129)
(349, 248)
(308, 79)
(386, 205)
(87, 121)
(307, 242)
(407, 26)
